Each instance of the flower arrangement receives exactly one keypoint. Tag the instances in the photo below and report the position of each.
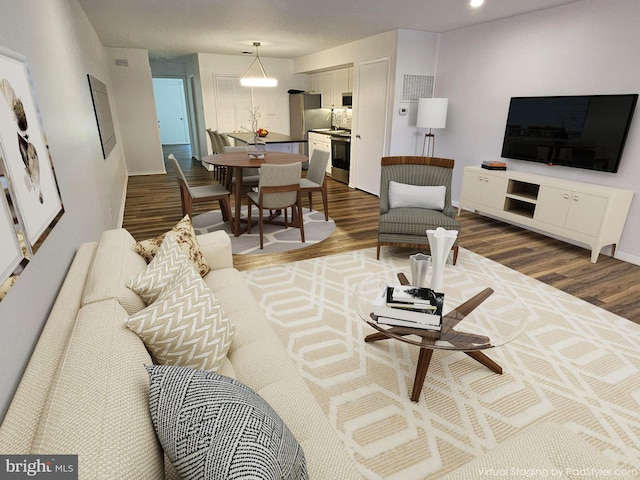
(257, 132)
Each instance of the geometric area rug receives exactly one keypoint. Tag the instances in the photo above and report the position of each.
(575, 364)
(276, 238)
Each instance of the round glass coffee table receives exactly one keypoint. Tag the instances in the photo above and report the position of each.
(473, 320)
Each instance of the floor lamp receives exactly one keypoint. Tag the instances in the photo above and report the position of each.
(432, 113)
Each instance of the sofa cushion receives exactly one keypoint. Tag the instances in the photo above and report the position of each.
(114, 263)
(215, 427)
(185, 235)
(168, 261)
(98, 407)
(186, 324)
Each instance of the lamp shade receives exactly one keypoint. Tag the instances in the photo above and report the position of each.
(432, 112)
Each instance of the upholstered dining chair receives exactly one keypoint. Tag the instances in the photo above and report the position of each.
(250, 176)
(278, 189)
(218, 142)
(415, 196)
(315, 181)
(200, 194)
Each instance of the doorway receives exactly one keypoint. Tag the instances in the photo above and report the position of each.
(171, 108)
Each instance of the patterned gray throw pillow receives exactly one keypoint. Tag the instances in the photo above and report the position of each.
(214, 427)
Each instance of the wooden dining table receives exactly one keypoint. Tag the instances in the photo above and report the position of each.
(236, 162)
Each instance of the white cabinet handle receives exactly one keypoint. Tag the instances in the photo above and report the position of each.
(576, 198)
(566, 196)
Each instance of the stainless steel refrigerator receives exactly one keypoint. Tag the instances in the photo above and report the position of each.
(305, 114)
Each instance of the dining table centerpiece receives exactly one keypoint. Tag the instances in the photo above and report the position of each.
(258, 148)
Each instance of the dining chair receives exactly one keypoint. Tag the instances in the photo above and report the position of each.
(415, 196)
(315, 181)
(200, 194)
(278, 189)
(218, 142)
(250, 176)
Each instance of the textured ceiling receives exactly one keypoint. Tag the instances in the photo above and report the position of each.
(286, 28)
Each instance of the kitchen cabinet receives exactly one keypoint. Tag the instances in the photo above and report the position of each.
(332, 85)
(316, 83)
(585, 213)
(321, 142)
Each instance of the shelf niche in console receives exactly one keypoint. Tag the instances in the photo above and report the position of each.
(521, 198)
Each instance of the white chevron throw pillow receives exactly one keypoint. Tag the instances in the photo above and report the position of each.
(166, 264)
(186, 325)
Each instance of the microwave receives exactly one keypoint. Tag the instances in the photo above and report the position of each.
(347, 99)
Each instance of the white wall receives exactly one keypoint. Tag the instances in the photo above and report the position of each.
(588, 47)
(133, 94)
(61, 49)
(417, 55)
(272, 102)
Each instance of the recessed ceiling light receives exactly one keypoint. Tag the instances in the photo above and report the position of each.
(476, 3)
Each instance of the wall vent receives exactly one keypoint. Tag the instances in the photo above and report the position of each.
(121, 62)
(417, 86)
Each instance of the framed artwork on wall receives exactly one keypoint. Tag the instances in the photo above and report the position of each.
(30, 204)
(100, 98)
(29, 174)
(11, 255)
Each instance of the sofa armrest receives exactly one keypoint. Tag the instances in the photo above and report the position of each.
(216, 248)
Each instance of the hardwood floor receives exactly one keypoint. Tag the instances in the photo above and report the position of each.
(153, 206)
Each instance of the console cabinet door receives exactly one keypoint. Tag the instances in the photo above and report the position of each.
(472, 184)
(578, 211)
(586, 213)
(483, 188)
(553, 205)
(494, 191)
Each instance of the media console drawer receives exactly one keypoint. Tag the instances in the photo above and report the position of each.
(586, 213)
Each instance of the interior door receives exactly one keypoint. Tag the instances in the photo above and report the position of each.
(171, 108)
(371, 125)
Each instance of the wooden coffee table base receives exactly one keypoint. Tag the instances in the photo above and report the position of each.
(428, 338)
(425, 358)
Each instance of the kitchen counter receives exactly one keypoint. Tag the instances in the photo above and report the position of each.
(273, 137)
(332, 133)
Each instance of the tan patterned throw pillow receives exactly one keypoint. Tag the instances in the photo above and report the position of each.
(186, 325)
(165, 265)
(185, 235)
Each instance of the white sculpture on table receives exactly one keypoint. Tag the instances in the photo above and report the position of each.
(440, 243)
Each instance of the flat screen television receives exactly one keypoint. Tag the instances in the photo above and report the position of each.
(587, 131)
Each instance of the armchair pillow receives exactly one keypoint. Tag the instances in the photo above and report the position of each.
(211, 426)
(417, 196)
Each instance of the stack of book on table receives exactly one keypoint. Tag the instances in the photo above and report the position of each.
(407, 306)
(494, 165)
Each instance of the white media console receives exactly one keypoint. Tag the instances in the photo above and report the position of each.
(586, 213)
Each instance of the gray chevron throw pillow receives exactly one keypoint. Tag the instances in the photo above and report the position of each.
(186, 325)
(216, 428)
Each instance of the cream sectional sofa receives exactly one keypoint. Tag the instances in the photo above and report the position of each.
(86, 390)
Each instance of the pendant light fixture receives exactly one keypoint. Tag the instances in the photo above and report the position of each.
(260, 80)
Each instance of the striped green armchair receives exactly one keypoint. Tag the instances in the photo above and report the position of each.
(407, 211)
